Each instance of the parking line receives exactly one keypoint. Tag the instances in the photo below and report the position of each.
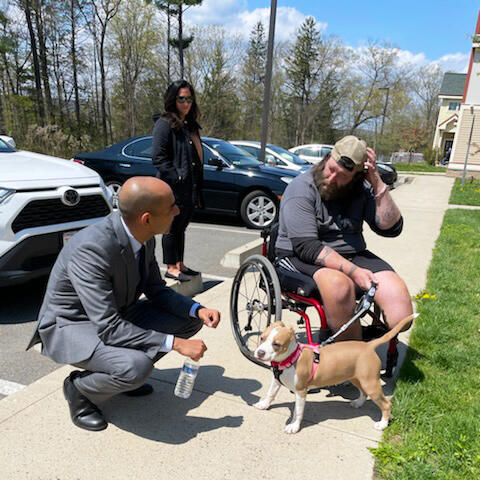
(246, 232)
(7, 388)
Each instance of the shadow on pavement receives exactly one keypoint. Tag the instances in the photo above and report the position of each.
(21, 303)
(162, 417)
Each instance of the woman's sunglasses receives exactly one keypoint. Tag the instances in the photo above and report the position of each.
(182, 99)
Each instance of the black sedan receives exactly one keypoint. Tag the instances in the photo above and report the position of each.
(234, 181)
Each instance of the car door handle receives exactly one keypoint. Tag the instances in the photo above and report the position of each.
(127, 165)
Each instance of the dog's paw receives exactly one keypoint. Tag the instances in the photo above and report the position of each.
(262, 404)
(381, 425)
(357, 403)
(293, 427)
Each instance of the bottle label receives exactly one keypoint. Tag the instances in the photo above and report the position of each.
(190, 369)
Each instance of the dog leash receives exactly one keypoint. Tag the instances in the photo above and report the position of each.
(362, 308)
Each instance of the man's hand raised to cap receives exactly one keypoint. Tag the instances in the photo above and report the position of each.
(193, 348)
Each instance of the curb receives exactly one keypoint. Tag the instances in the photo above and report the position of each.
(234, 258)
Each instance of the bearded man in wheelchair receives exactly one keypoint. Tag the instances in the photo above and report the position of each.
(320, 234)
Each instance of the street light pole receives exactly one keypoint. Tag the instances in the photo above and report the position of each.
(472, 111)
(268, 79)
(384, 108)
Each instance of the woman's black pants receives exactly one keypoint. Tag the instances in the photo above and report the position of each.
(173, 243)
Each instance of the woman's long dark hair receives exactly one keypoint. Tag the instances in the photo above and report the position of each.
(170, 105)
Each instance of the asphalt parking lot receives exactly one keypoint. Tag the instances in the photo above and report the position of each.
(206, 244)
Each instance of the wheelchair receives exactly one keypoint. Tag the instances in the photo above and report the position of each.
(261, 291)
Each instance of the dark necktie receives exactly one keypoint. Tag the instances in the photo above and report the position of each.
(141, 270)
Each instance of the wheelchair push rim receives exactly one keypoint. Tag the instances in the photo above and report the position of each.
(255, 303)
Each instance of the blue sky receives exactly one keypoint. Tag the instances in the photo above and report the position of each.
(424, 30)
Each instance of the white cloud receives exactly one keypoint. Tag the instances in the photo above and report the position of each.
(454, 62)
(235, 18)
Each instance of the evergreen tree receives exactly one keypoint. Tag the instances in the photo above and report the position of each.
(252, 86)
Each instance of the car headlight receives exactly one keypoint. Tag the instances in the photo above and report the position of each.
(286, 179)
(5, 193)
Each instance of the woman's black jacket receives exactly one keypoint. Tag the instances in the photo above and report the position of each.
(175, 157)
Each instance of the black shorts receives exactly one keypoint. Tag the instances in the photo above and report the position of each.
(365, 259)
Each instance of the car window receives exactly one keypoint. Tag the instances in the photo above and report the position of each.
(140, 148)
(207, 154)
(4, 147)
(307, 151)
(232, 153)
(289, 156)
(251, 150)
(325, 150)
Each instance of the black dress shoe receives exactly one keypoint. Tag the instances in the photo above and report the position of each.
(189, 271)
(181, 277)
(145, 389)
(83, 412)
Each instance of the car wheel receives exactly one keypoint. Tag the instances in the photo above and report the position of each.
(114, 186)
(258, 210)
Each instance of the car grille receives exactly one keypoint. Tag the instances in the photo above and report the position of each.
(52, 211)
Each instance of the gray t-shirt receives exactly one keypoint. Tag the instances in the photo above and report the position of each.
(338, 224)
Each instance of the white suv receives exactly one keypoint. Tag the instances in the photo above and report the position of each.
(43, 201)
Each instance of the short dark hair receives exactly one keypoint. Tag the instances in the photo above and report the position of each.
(170, 104)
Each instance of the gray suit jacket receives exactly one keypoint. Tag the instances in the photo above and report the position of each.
(91, 285)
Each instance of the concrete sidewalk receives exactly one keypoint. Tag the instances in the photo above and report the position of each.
(217, 434)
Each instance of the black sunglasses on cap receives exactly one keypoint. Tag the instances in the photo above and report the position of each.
(182, 99)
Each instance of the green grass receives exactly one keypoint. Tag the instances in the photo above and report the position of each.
(418, 167)
(436, 409)
(468, 195)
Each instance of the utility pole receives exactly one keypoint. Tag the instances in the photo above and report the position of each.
(268, 79)
(384, 108)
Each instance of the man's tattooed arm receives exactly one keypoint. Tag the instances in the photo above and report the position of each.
(387, 212)
(335, 261)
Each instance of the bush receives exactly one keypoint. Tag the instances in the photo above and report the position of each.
(51, 140)
(431, 155)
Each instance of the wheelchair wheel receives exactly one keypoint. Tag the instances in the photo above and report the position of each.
(255, 302)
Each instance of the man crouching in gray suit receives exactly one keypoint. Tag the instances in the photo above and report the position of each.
(92, 318)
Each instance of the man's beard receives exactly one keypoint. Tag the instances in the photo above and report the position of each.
(331, 191)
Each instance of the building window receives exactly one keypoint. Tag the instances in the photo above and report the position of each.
(454, 105)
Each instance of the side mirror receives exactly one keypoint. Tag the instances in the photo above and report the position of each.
(270, 161)
(9, 141)
(216, 162)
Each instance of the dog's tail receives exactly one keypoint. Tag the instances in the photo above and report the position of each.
(394, 331)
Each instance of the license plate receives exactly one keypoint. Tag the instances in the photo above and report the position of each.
(68, 235)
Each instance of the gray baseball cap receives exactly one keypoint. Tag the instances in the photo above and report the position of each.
(352, 148)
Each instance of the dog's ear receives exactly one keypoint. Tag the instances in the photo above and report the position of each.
(278, 324)
(292, 333)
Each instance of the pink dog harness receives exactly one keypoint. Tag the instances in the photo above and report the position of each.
(278, 367)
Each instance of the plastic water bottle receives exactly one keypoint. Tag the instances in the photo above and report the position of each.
(186, 378)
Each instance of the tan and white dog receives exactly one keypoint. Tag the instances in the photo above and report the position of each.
(353, 361)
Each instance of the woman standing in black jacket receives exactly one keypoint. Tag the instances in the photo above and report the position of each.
(178, 156)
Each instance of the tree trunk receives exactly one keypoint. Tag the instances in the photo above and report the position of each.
(180, 39)
(43, 61)
(74, 68)
(103, 87)
(36, 64)
(169, 26)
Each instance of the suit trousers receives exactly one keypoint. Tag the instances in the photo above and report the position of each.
(113, 370)
(173, 243)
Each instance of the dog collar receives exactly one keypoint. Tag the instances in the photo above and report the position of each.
(290, 360)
